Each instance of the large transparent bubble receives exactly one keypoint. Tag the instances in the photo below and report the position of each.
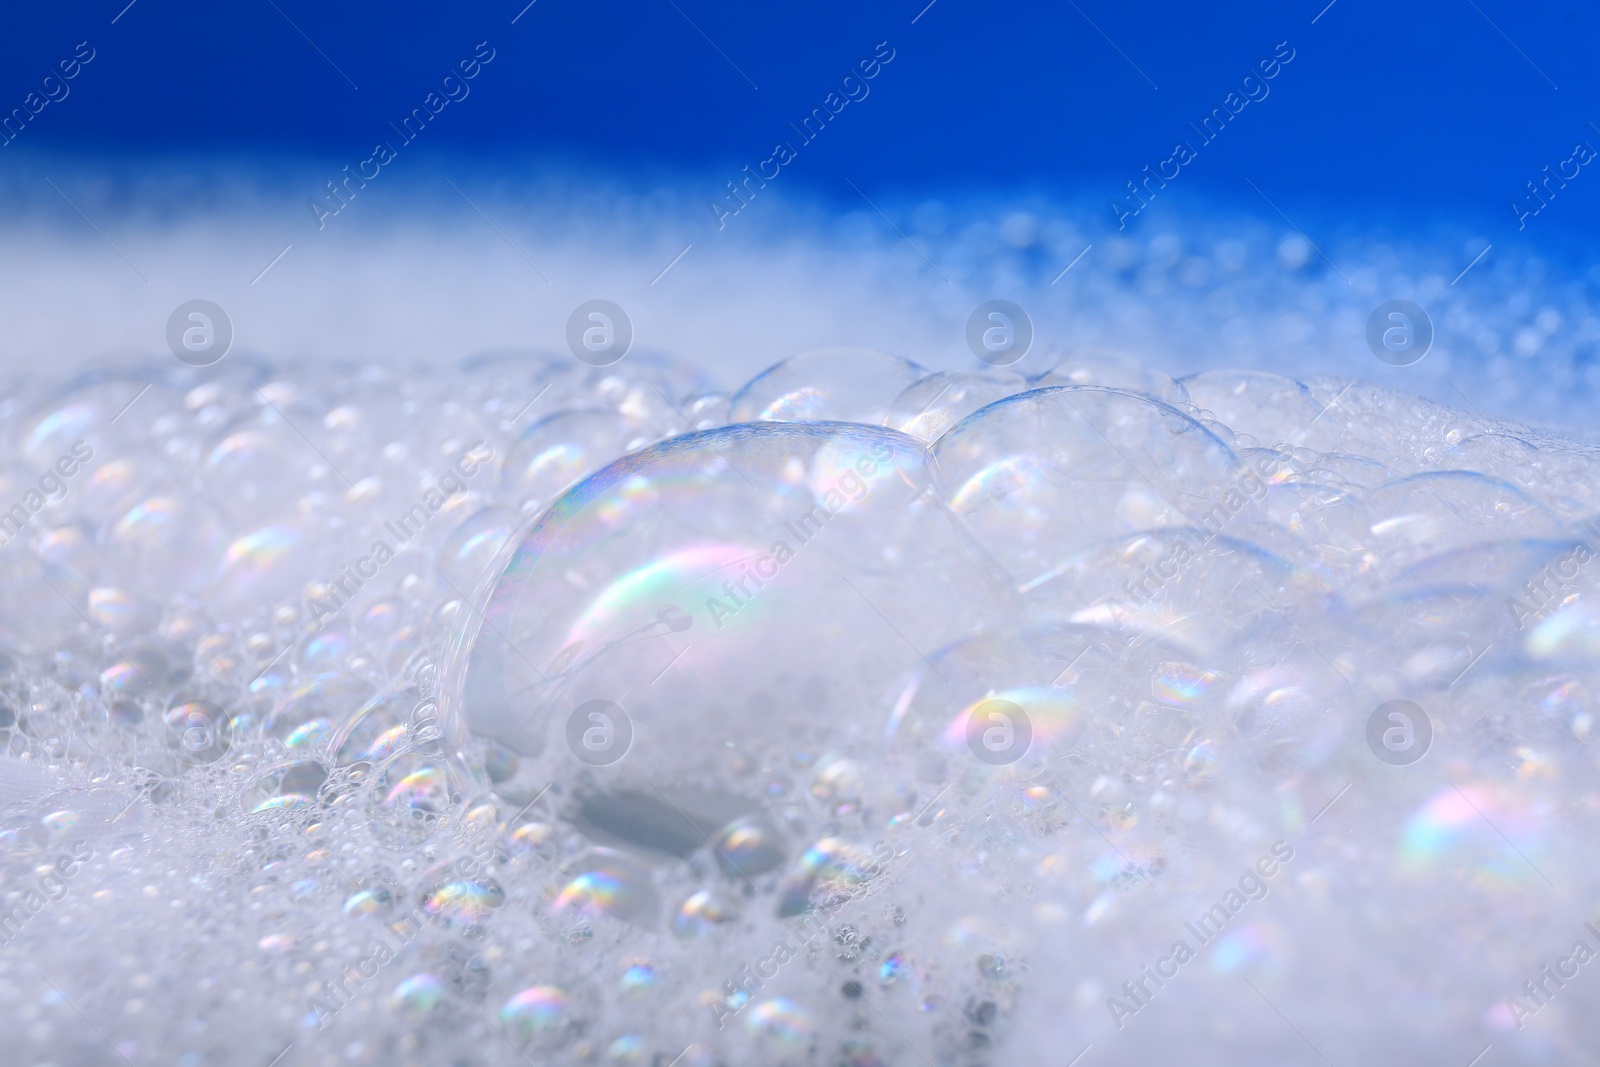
(623, 628)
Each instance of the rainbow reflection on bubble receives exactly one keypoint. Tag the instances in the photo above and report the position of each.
(782, 1020)
(308, 734)
(464, 901)
(68, 421)
(608, 884)
(425, 789)
(537, 1010)
(829, 871)
(367, 902)
(702, 912)
(385, 745)
(1252, 947)
(1570, 631)
(997, 481)
(1182, 683)
(638, 976)
(1053, 715)
(249, 557)
(291, 802)
(641, 593)
(1458, 826)
(417, 995)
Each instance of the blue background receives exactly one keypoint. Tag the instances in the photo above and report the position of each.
(1389, 116)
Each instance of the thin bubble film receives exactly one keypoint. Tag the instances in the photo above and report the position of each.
(862, 714)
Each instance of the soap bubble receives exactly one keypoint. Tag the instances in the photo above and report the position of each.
(931, 405)
(558, 451)
(696, 556)
(1042, 476)
(611, 884)
(749, 847)
(868, 713)
(833, 384)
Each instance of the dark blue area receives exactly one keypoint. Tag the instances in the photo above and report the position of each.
(1399, 115)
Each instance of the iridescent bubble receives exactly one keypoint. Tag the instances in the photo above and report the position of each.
(247, 465)
(639, 976)
(1183, 683)
(70, 551)
(1253, 949)
(114, 486)
(629, 1048)
(702, 913)
(292, 786)
(838, 783)
(829, 873)
(313, 711)
(408, 798)
(533, 839)
(384, 617)
(276, 944)
(55, 432)
(464, 901)
(465, 557)
(368, 902)
(326, 651)
(140, 673)
(608, 883)
(1483, 832)
(559, 451)
(417, 995)
(1430, 514)
(266, 565)
(930, 406)
(76, 418)
(539, 1013)
(197, 730)
(119, 611)
(835, 384)
(662, 576)
(781, 1020)
(308, 735)
(59, 824)
(166, 543)
(1040, 477)
(1040, 677)
(749, 847)
(379, 729)
(893, 969)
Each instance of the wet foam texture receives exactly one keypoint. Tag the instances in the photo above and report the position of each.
(533, 712)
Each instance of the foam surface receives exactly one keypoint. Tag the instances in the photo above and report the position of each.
(536, 712)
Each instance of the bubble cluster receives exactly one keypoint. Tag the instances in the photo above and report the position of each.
(575, 712)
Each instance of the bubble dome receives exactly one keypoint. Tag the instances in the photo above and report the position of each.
(864, 714)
